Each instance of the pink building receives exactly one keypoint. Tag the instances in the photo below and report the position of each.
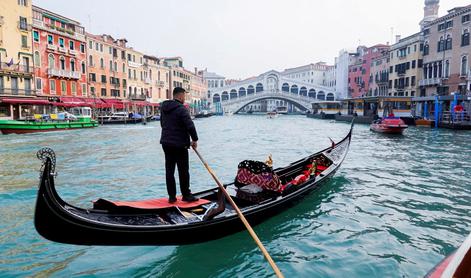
(359, 71)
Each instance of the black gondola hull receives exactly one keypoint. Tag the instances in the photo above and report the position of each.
(60, 222)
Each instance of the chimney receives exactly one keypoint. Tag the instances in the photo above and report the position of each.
(398, 38)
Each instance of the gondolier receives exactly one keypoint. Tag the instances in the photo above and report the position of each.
(177, 128)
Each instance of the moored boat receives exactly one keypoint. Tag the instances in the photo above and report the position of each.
(155, 222)
(272, 114)
(79, 118)
(390, 125)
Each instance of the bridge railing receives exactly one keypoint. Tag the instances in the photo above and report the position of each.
(268, 94)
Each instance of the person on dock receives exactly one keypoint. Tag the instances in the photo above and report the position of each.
(177, 128)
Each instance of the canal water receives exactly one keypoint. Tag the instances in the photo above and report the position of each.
(397, 206)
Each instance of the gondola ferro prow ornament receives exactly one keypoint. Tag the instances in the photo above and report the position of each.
(44, 154)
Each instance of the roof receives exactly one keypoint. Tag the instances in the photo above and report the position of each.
(56, 16)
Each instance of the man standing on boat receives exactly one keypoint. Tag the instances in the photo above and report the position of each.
(177, 128)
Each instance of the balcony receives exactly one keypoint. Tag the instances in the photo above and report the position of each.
(62, 49)
(64, 73)
(72, 52)
(15, 92)
(430, 82)
(24, 26)
(51, 47)
(160, 83)
(148, 81)
(16, 68)
(137, 96)
(58, 30)
(133, 64)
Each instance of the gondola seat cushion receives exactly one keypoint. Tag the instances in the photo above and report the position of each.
(147, 204)
(258, 173)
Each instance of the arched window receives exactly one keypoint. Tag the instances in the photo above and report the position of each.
(465, 37)
(464, 65)
(330, 96)
(158, 75)
(83, 68)
(111, 65)
(72, 65)
(285, 87)
(233, 93)
(90, 61)
(321, 95)
(250, 90)
(447, 68)
(426, 48)
(115, 66)
(448, 43)
(150, 74)
(303, 91)
(216, 98)
(242, 92)
(37, 60)
(62, 63)
(294, 89)
(259, 87)
(102, 63)
(50, 61)
(124, 68)
(224, 96)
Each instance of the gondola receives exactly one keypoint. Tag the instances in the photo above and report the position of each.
(59, 221)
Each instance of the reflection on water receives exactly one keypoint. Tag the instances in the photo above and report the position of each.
(396, 207)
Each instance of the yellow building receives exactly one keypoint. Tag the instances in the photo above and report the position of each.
(16, 59)
(137, 89)
(156, 78)
(405, 66)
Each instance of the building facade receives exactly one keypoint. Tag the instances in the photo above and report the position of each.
(342, 63)
(405, 67)
(359, 70)
(312, 73)
(379, 76)
(59, 52)
(446, 54)
(106, 66)
(156, 78)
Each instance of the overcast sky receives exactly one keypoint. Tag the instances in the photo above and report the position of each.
(242, 38)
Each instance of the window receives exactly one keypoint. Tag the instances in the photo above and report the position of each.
(465, 38)
(39, 83)
(72, 65)
(23, 23)
(63, 86)
(24, 41)
(103, 79)
(61, 42)
(426, 49)
(412, 81)
(465, 18)
(449, 24)
(101, 47)
(96, 46)
(84, 89)
(92, 77)
(62, 63)
(90, 44)
(37, 61)
(420, 63)
(115, 66)
(103, 92)
(90, 61)
(124, 68)
(464, 65)
(71, 45)
(22, 3)
(111, 65)
(129, 74)
(36, 36)
(50, 61)
(83, 68)
(110, 50)
(73, 88)
(413, 64)
(52, 86)
(448, 44)
(82, 48)
(102, 63)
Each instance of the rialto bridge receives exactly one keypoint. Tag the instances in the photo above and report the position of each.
(270, 85)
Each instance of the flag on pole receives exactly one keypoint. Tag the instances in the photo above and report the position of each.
(10, 63)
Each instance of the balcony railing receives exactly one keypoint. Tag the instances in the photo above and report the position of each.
(134, 64)
(16, 68)
(15, 92)
(62, 49)
(148, 81)
(430, 81)
(72, 52)
(160, 83)
(51, 47)
(40, 24)
(64, 73)
(137, 96)
(24, 26)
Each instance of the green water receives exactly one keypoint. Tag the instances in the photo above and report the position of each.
(396, 207)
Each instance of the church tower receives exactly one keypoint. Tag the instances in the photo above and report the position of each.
(430, 12)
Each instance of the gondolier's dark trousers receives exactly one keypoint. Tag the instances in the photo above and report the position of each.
(177, 156)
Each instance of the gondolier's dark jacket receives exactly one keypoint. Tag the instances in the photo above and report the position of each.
(177, 126)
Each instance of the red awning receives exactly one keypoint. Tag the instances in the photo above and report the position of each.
(25, 101)
(71, 102)
(116, 103)
(155, 104)
(141, 103)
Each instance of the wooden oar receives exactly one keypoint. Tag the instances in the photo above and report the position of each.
(241, 216)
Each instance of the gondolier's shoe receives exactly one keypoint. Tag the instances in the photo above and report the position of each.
(172, 200)
(189, 198)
